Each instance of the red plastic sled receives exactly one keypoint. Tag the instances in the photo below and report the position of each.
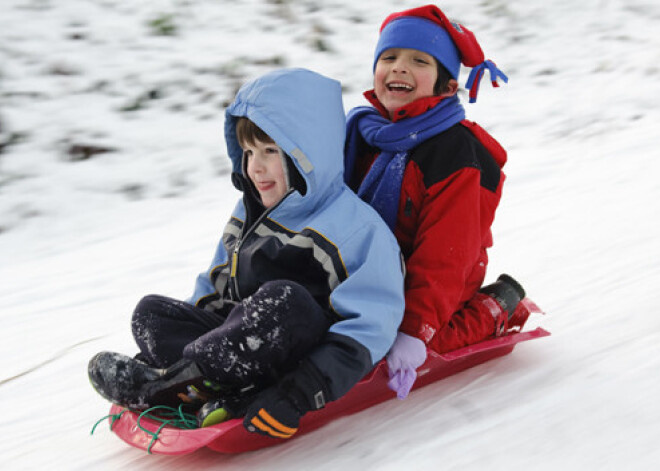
(231, 436)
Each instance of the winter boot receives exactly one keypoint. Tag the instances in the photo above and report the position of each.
(212, 413)
(132, 383)
(508, 293)
(521, 314)
(228, 404)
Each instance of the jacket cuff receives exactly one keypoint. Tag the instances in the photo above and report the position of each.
(416, 328)
(306, 387)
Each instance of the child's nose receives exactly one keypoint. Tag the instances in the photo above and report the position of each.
(257, 164)
(400, 66)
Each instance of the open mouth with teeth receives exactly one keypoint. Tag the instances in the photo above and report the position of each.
(399, 87)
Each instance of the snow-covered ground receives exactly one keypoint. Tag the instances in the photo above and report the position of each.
(114, 184)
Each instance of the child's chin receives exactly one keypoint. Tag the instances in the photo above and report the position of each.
(393, 105)
(267, 202)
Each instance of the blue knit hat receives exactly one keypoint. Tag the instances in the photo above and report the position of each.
(427, 29)
(412, 32)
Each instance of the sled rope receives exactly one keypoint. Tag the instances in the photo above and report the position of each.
(115, 418)
(168, 416)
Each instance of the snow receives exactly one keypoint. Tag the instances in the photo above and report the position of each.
(81, 240)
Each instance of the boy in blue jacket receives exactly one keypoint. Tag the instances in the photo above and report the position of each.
(305, 292)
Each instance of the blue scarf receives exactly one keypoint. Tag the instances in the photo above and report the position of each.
(381, 187)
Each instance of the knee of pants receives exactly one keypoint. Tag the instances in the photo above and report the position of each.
(277, 287)
(143, 309)
(147, 304)
(300, 309)
(152, 310)
(296, 295)
(159, 306)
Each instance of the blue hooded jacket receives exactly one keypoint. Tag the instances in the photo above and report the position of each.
(326, 239)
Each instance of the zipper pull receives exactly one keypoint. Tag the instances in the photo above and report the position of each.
(234, 262)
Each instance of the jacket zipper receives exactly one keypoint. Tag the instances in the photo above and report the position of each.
(234, 256)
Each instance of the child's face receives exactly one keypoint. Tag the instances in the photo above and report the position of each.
(266, 171)
(402, 76)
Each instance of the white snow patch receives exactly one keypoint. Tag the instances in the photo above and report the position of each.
(253, 342)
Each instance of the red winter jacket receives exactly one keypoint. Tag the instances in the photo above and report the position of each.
(451, 188)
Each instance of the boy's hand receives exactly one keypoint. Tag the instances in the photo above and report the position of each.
(277, 410)
(406, 355)
(273, 414)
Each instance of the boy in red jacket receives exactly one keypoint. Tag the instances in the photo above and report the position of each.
(436, 179)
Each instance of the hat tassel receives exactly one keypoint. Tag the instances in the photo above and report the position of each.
(477, 74)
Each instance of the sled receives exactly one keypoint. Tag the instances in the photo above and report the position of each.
(231, 436)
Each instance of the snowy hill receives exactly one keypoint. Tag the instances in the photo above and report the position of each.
(114, 184)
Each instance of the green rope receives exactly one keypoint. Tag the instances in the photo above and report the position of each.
(167, 416)
(115, 418)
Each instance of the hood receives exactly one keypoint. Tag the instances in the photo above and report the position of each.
(303, 113)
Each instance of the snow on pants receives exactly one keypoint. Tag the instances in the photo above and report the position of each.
(263, 337)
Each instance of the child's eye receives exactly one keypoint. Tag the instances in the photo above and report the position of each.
(419, 60)
(272, 150)
(389, 57)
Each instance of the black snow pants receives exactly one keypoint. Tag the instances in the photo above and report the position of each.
(262, 338)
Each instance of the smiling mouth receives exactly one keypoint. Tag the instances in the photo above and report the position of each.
(399, 87)
(264, 186)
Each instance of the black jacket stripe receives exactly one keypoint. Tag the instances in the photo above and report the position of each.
(452, 150)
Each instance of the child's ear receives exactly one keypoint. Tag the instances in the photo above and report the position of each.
(451, 89)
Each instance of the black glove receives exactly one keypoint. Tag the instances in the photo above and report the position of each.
(276, 411)
(274, 414)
